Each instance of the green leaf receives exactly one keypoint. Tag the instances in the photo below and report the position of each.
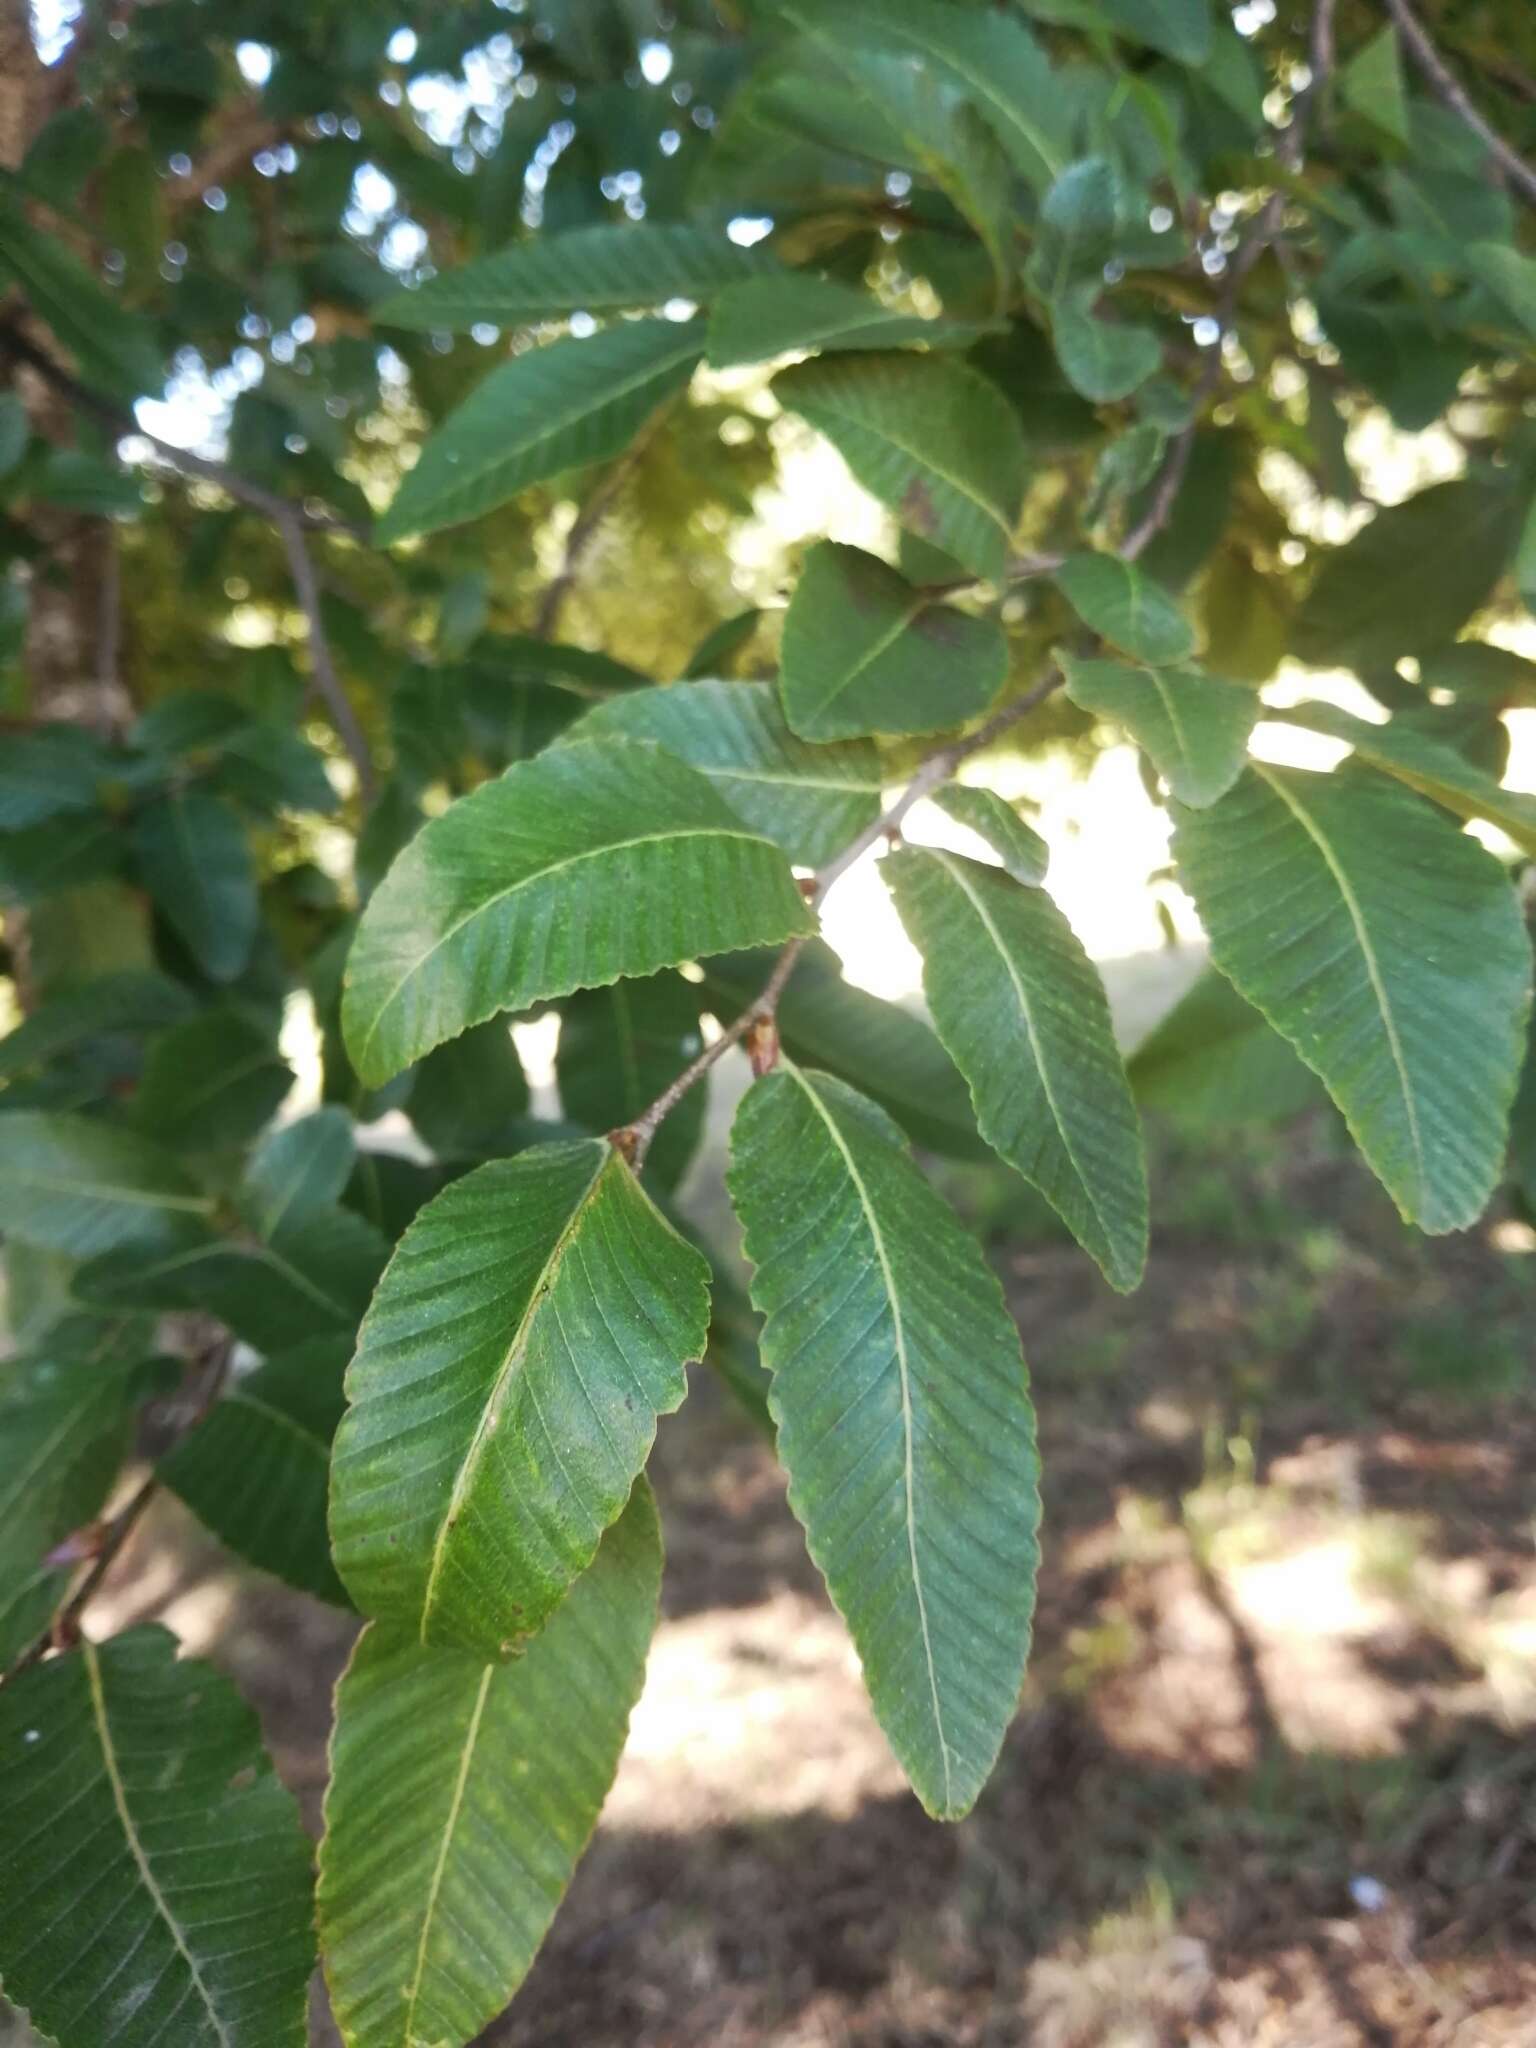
(1103, 359)
(588, 863)
(770, 316)
(988, 55)
(810, 800)
(904, 1419)
(1525, 560)
(15, 433)
(1180, 29)
(619, 1048)
(115, 349)
(1433, 769)
(1019, 847)
(136, 1782)
(1021, 1010)
(864, 652)
(273, 770)
(82, 1187)
(128, 1002)
(1116, 600)
(564, 406)
(1194, 728)
(463, 1794)
(1388, 948)
(196, 864)
(1214, 1062)
(46, 773)
(826, 1022)
(603, 269)
(1522, 1129)
(928, 437)
(213, 1080)
(1510, 276)
(1409, 580)
(722, 645)
(535, 1320)
(65, 1428)
(1372, 83)
(254, 1470)
(299, 1167)
(468, 1091)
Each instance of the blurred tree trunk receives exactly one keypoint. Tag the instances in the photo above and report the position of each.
(71, 643)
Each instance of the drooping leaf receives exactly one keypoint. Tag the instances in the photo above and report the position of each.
(904, 1419)
(1124, 606)
(1022, 1012)
(466, 1093)
(1104, 360)
(1427, 765)
(878, 1046)
(196, 863)
(1213, 1061)
(65, 1428)
(606, 269)
(299, 1167)
(1388, 948)
(1409, 580)
(81, 1186)
(533, 1323)
(619, 1047)
(564, 406)
(929, 437)
(770, 316)
(463, 1793)
(865, 652)
(254, 1470)
(135, 1777)
(210, 1081)
(811, 800)
(1019, 847)
(1194, 728)
(588, 863)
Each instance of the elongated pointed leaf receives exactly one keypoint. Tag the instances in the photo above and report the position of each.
(1194, 728)
(468, 1093)
(1213, 1061)
(769, 316)
(561, 407)
(619, 1047)
(929, 437)
(65, 1429)
(588, 863)
(533, 1323)
(866, 652)
(904, 1419)
(1022, 1012)
(196, 863)
(811, 800)
(215, 1079)
(131, 1777)
(595, 270)
(1124, 606)
(1424, 764)
(878, 1046)
(463, 1794)
(300, 1167)
(254, 1471)
(1019, 847)
(1388, 948)
(82, 1187)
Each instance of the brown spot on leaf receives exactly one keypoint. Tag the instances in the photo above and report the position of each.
(917, 507)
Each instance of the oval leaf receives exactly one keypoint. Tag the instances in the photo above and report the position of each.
(82, 1187)
(585, 864)
(1194, 728)
(534, 1321)
(1122, 605)
(904, 1419)
(1022, 1012)
(462, 1795)
(1388, 948)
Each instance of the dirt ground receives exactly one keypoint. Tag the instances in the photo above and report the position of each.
(1272, 1784)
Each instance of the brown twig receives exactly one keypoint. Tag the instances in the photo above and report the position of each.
(306, 588)
(1450, 89)
(634, 1139)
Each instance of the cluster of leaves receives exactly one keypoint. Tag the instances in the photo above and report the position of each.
(1065, 293)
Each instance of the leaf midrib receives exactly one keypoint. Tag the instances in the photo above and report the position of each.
(130, 1832)
(904, 1373)
(434, 1889)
